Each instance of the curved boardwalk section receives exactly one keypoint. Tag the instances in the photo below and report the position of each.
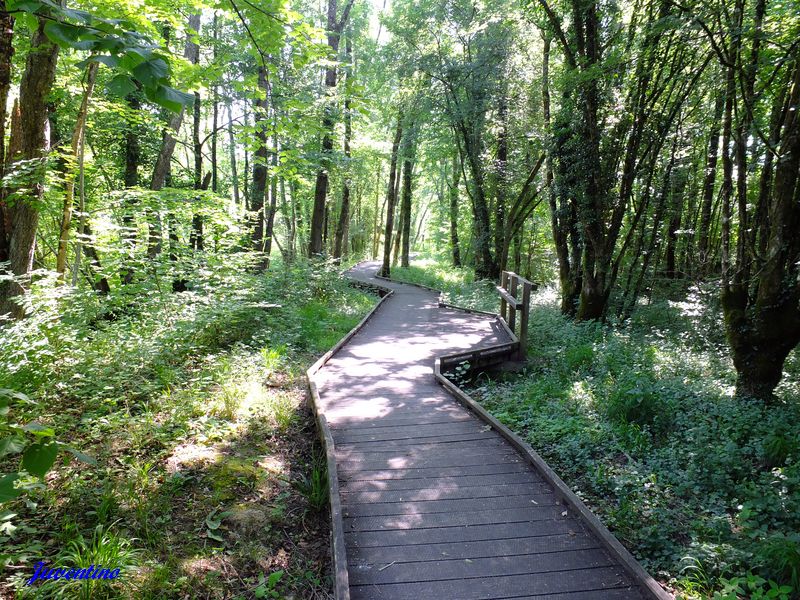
(435, 503)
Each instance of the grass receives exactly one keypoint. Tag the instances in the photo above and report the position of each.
(640, 420)
(207, 482)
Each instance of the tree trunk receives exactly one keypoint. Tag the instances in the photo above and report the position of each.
(259, 186)
(131, 179)
(6, 64)
(408, 172)
(390, 198)
(708, 186)
(162, 166)
(269, 225)
(453, 197)
(335, 28)
(31, 144)
(234, 173)
(340, 242)
(69, 184)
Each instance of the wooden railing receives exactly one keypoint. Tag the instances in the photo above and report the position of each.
(515, 295)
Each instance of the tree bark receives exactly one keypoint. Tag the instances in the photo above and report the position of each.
(408, 173)
(453, 213)
(6, 68)
(708, 186)
(340, 241)
(335, 28)
(260, 159)
(162, 165)
(390, 198)
(69, 192)
(32, 144)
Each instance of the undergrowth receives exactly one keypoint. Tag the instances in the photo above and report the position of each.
(639, 418)
(207, 482)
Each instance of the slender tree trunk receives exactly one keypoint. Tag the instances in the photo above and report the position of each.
(234, 172)
(162, 166)
(340, 242)
(131, 179)
(390, 198)
(318, 214)
(501, 244)
(31, 143)
(408, 172)
(260, 160)
(708, 186)
(453, 198)
(376, 238)
(69, 195)
(6, 64)
(269, 225)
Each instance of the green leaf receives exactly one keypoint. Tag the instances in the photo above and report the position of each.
(40, 430)
(170, 98)
(7, 489)
(84, 458)
(214, 536)
(152, 72)
(12, 445)
(63, 34)
(121, 86)
(5, 392)
(38, 458)
(24, 6)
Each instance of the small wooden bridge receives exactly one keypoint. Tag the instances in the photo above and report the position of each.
(432, 498)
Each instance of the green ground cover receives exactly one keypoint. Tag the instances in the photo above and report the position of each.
(208, 480)
(639, 418)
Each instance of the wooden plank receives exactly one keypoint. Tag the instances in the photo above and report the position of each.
(455, 519)
(496, 566)
(441, 492)
(408, 442)
(475, 481)
(494, 588)
(425, 418)
(403, 432)
(438, 471)
(447, 505)
(408, 553)
(474, 464)
(458, 534)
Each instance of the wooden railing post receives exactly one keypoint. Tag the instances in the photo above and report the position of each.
(510, 303)
(504, 285)
(512, 289)
(523, 325)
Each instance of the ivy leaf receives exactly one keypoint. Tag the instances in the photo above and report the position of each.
(38, 458)
(7, 489)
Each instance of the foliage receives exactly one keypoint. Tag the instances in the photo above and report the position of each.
(182, 471)
(640, 421)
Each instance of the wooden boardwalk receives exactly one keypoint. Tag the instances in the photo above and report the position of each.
(435, 503)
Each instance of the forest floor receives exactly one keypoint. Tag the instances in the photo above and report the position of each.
(639, 418)
(209, 481)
